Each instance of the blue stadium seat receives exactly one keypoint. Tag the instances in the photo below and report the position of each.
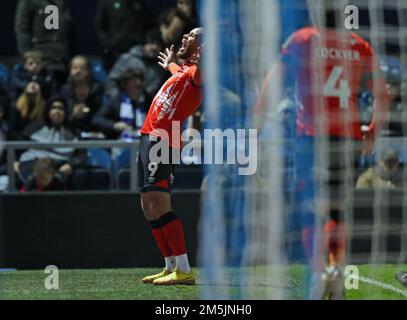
(4, 75)
(99, 170)
(99, 74)
(99, 158)
(121, 170)
(123, 160)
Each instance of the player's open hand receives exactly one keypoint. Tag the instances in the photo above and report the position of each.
(166, 58)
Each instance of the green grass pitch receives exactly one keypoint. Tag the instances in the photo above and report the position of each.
(126, 284)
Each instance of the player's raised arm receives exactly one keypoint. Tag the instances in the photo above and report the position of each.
(167, 60)
(269, 97)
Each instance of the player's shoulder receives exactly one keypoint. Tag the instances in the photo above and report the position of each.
(304, 34)
(300, 36)
(359, 41)
(189, 67)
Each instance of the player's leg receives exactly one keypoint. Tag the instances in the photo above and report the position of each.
(306, 208)
(149, 204)
(170, 228)
(340, 181)
(143, 182)
(305, 192)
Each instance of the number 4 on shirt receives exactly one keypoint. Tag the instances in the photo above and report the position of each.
(331, 88)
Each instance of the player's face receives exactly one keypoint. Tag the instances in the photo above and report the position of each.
(190, 44)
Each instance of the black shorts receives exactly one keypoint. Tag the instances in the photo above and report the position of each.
(153, 176)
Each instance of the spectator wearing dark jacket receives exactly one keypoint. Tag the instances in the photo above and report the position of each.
(31, 70)
(82, 103)
(125, 112)
(80, 65)
(53, 130)
(143, 57)
(120, 25)
(177, 21)
(32, 34)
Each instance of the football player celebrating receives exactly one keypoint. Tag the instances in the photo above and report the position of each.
(328, 66)
(179, 97)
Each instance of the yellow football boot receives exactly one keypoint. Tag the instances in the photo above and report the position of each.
(176, 278)
(150, 279)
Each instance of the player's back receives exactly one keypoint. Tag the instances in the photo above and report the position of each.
(329, 67)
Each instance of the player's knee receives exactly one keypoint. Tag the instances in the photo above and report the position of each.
(145, 207)
(156, 211)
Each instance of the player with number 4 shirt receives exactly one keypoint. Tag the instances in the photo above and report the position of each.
(327, 67)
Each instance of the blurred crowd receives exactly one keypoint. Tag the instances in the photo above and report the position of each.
(52, 95)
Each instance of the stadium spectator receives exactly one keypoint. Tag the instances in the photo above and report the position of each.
(143, 57)
(44, 178)
(121, 25)
(82, 103)
(31, 70)
(54, 44)
(29, 107)
(52, 130)
(124, 113)
(80, 65)
(177, 21)
(393, 71)
(387, 174)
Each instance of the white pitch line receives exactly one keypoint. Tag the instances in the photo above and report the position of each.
(382, 285)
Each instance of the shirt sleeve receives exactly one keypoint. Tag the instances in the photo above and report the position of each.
(196, 77)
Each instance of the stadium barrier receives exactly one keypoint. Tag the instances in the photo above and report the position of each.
(12, 147)
(85, 230)
(108, 230)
